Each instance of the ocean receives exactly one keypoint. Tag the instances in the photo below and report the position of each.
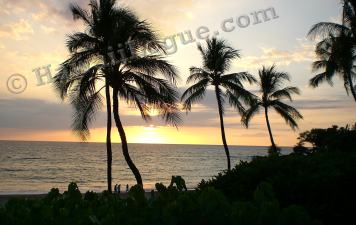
(36, 167)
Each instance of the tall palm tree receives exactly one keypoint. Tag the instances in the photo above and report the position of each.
(272, 92)
(139, 84)
(336, 52)
(89, 53)
(217, 59)
(135, 78)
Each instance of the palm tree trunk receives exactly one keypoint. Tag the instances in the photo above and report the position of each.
(227, 152)
(352, 88)
(122, 134)
(270, 131)
(108, 137)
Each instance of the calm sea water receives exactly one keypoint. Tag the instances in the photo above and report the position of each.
(36, 167)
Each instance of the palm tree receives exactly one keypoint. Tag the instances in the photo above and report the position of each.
(217, 59)
(135, 78)
(336, 52)
(272, 93)
(336, 57)
(89, 48)
(139, 82)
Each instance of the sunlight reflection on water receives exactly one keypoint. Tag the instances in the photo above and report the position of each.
(36, 167)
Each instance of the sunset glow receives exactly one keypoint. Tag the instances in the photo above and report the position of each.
(34, 37)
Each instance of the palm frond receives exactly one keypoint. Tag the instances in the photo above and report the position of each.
(250, 113)
(153, 93)
(320, 64)
(194, 93)
(78, 41)
(85, 110)
(239, 91)
(285, 93)
(235, 102)
(87, 81)
(144, 36)
(79, 13)
(239, 78)
(320, 78)
(135, 97)
(197, 74)
(154, 66)
(82, 59)
(324, 29)
(62, 81)
(289, 113)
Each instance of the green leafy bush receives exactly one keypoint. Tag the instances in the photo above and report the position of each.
(169, 206)
(324, 184)
(332, 139)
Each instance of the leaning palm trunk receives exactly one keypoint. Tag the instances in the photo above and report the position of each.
(122, 134)
(223, 129)
(273, 148)
(108, 137)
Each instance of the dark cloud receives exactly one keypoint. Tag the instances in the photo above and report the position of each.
(341, 103)
(34, 114)
(41, 114)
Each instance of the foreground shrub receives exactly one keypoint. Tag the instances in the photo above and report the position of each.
(170, 206)
(340, 139)
(324, 184)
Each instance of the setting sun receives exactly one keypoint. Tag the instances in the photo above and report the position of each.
(150, 134)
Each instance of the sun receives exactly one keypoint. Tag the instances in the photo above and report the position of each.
(149, 135)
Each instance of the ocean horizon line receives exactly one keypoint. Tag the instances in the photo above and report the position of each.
(94, 142)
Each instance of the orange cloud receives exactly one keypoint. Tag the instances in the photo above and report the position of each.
(20, 30)
(270, 55)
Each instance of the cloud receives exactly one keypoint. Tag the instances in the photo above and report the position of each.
(42, 114)
(341, 103)
(45, 11)
(20, 30)
(171, 10)
(304, 52)
(48, 30)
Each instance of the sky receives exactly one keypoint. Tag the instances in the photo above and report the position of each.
(33, 35)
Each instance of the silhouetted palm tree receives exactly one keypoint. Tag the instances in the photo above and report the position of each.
(89, 54)
(336, 52)
(336, 56)
(272, 93)
(138, 82)
(217, 59)
(108, 51)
